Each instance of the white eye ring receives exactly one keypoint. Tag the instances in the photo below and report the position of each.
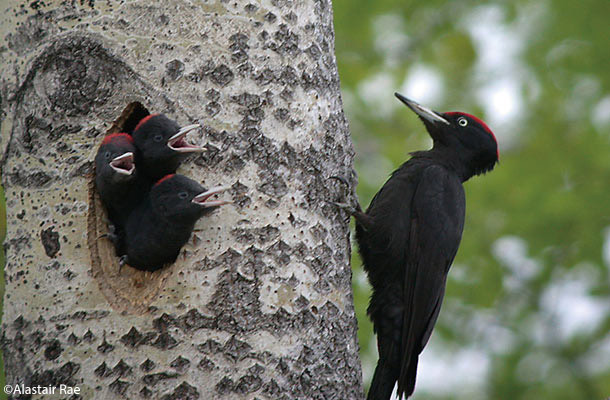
(462, 121)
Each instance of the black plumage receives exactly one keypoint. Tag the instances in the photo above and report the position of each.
(409, 236)
(116, 179)
(158, 228)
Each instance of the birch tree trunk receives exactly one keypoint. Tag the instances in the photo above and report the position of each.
(259, 303)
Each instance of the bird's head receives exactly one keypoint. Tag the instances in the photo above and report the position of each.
(160, 138)
(183, 200)
(115, 157)
(472, 140)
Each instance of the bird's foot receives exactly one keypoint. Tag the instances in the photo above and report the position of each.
(351, 210)
(122, 261)
(340, 179)
(111, 234)
(348, 208)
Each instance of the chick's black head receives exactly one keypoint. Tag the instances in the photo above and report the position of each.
(114, 160)
(182, 200)
(162, 144)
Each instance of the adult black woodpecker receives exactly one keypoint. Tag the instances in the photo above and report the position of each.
(410, 234)
(161, 145)
(115, 179)
(158, 228)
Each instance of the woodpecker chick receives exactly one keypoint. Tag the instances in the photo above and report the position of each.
(161, 145)
(158, 228)
(115, 179)
(408, 238)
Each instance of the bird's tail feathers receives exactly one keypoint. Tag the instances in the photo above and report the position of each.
(383, 382)
(406, 383)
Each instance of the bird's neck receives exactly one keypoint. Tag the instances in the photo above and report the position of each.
(446, 157)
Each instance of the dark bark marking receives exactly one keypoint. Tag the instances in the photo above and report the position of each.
(103, 371)
(53, 350)
(180, 363)
(153, 379)
(50, 241)
(148, 365)
(183, 392)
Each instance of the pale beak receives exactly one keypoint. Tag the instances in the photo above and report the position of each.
(423, 112)
(202, 199)
(178, 141)
(123, 164)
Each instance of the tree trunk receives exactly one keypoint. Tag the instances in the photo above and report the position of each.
(259, 303)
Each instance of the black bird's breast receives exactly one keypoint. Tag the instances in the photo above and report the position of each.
(419, 191)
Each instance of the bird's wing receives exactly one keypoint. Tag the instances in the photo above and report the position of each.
(437, 220)
(390, 212)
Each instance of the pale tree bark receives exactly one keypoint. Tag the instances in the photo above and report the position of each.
(259, 303)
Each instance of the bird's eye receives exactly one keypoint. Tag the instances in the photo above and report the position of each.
(107, 155)
(158, 138)
(183, 195)
(462, 121)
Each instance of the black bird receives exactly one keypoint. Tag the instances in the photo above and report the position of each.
(161, 145)
(115, 179)
(158, 228)
(410, 234)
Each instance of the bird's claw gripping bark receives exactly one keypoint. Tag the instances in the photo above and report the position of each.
(340, 179)
(111, 234)
(122, 261)
(115, 236)
(348, 208)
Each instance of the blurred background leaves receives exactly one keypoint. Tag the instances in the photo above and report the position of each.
(527, 310)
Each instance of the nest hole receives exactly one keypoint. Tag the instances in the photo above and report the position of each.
(128, 290)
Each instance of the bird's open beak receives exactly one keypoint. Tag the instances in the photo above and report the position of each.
(422, 111)
(178, 141)
(202, 199)
(123, 164)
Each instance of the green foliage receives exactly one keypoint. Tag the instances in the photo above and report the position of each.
(549, 191)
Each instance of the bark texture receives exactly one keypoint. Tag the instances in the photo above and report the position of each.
(259, 303)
